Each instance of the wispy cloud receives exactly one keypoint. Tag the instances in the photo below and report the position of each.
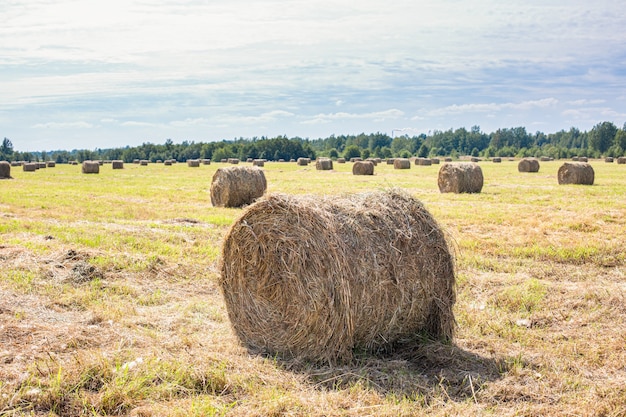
(390, 114)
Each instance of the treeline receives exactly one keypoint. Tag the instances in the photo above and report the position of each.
(604, 139)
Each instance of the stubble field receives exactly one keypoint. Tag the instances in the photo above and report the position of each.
(109, 303)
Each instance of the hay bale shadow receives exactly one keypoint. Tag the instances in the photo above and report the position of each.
(422, 372)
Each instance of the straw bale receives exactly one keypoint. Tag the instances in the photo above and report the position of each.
(390, 161)
(91, 167)
(447, 159)
(545, 159)
(374, 161)
(206, 161)
(324, 164)
(233, 161)
(237, 186)
(117, 164)
(363, 168)
(475, 159)
(319, 278)
(528, 165)
(608, 160)
(461, 177)
(496, 160)
(341, 160)
(30, 167)
(435, 161)
(576, 173)
(51, 164)
(423, 161)
(143, 162)
(193, 163)
(401, 163)
(5, 170)
(583, 159)
(621, 160)
(303, 161)
(168, 162)
(258, 162)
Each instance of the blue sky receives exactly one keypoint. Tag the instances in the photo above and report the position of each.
(92, 74)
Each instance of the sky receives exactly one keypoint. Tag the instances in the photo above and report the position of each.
(87, 74)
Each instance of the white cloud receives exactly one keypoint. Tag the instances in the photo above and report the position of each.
(494, 107)
(375, 116)
(63, 125)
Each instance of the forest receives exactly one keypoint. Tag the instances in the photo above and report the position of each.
(604, 139)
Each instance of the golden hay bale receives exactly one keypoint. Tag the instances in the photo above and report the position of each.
(206, 161)
(91, 167)
(447, 159)
(237, 186)
(461, 177)
(41, 165)
(193, 163)
(5, 170)
(233, 161)
(435, 161)
(363, 168)
(528, 165)
(423, 161)
(496, 160)
(608, 160)
(390, 161)
(258, 162)
(324, 164)
(401, 163)
(30, 166)
(544, 159)
(143, 162)
(621, 160)
(117, 164)
(576, 173)
(321, 277)
(374, 161)
(475, 159)
(341, 160)
(51, 164)
(582, 159)
(302, 161)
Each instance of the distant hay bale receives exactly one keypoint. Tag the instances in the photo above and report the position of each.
(249, 160)
(193, 163)
(51, 164)
(496, 160)
(258, 162)
(363, 168)
(303, 161)
(423, 161)
(42, 165)
(5, 170)
(281, 160)
(237, 186)
(356, 159)
(447, 159)
(608, 160)
(435, 161)
(233, 161)
(91, 167)
(583, 159)
(374, 161)
(168, 162)
(576, 173)
(143, 162)
(390, 161)
(206, 161)
(324, 164)
(30, 167)
(401, 163)
(461, 177)
(225, 160)
(341, 160)
(621, 160)
(528, 165)
(319, 278)
(136, 161)
(475, 159)
(544, 159)
(117, 164)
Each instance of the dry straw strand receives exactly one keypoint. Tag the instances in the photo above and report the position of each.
(237, 186)
(460, 177)
(318, 277)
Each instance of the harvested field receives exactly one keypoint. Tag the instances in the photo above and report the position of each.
(114, 307)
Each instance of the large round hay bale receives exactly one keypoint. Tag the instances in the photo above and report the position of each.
(5, 170)
(423, 161)
(608, 160)
(496, 159)
(390, 161)
(363, 168)
(341, 160)
(51, 164)
(117, 164)
(30, 166)
(528, 165)
(143, 162)
(206, 161)
(401, 163)
(321, 277)
(237, 186)
(303, 161)
(324, 164)
(621, 160)
(233, 161)
(461, 177)
(193, 163)
(435, 161)
(576, 173)
(91, 167)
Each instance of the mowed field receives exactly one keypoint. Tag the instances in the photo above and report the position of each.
(109, 303)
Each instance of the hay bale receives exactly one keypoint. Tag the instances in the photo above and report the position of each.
(117, 164)
(41, 165)
(401, 163)
(608, 160)
(51, 164)
(423, 161)
(258, 162)
(447, 159)
(143, 162)
(30, 166)
(496, 160)
(303, 161)
(168, 162)
(475, 159)
(528, 165)
(91, 167)
(324, 164)
(461, 177)
(363, 168)
(435, 161)
(621, 160)
(583, 159)
(576, 173)
(390, 161)
(5, 170)
(341, 160)
(237, 186)
(206, 161)
(544, 159)
(193, 163)
(321, 277)
(374, 161)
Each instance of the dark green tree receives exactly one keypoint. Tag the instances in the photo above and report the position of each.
(6, 150)
(602, 136)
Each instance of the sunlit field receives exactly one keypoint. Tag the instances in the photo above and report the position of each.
(109, 303)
